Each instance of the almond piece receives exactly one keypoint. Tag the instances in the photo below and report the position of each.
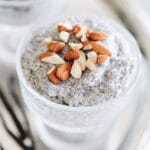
(51, 57)
(63, 72)
(66, 27)
(56, 46)
(76, 46)
(92, 56)
(91, 65)
(101, 59)
(84, 38)
(101, 48)
(87, 45)
(96, 36)
(46, 54)
(72, 54)
(82, 60)
(76, 70)
(64, 36)
(76, 28)
(48, 40)
(52, 75)
(88, 32)
(82, 32)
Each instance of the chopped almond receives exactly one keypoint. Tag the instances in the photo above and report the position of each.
(63, 72)
(72, 54)
(46, 54)
(82, 60)
(51, 57)
(76, 29)
(66, 27)
(56, 46)
(96, 36)
(76, 46)
(88, 32)
(82, 33)
(64, 36)
(92, 56)
(52, 75)
(101, 59)
(84, 38)
(91, 65)
(87, 45)
(100, 48)
(76, 70)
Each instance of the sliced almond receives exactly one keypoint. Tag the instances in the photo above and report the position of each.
(52, 75)
(48, 40)
(92, 56)
(76, 70)
(87, 45)
(82, 60)
(96, 36)
(101, 59)
(56, 46)
(51, 57)
(76, 46)
(101, 48)
(64, 36)
(76, 28)
(91, 65)
(63, 72)
(66, 27)
(72, 54)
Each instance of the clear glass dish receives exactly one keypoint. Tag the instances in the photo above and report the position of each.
(16, 16)
(83, 128)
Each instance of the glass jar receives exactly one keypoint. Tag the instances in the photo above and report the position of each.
(82, 128)
(16, 17)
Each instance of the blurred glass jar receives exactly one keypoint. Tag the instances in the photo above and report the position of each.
(83, 128)
(16, 16)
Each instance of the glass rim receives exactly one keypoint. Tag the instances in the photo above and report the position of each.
(82, 108)
(17, 2)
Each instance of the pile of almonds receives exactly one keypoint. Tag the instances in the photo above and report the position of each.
(88, 52)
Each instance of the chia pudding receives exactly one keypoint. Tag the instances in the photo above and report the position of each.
(111, 79)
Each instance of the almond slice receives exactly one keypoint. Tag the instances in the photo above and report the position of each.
(92, 56)
(72, 54)
(82, 60)
(67, 26)
(91, 65)
(52, 75)
(100, 48)
(64, 36)
(48, 40)
(76, 46)
(101, 59)
(63, 72)
(51, 57)
(76, 70)
(56, 46)
(76, 28)
(96, 36)
(87, 45)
